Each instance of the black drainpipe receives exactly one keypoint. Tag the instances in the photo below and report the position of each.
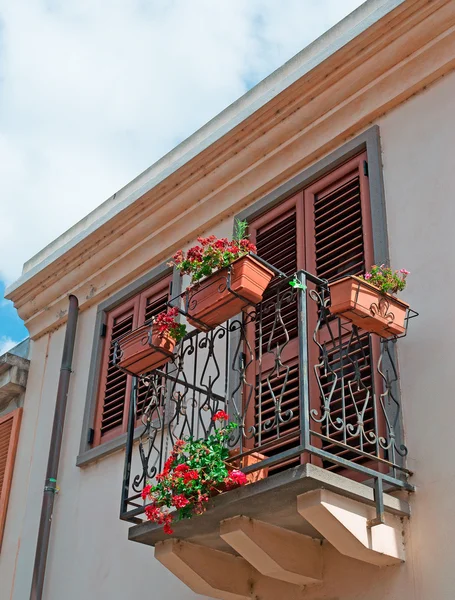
(50, 485)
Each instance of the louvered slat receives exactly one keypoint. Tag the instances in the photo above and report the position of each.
(116, 381)
(333, 259)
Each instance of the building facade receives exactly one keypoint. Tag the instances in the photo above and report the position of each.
(340, 159)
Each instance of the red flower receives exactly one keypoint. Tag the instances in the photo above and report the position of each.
(189, 476)
(181, 468)
(178, 257)
(220, 416)
(221, 244)
(168, 529)
(151, 512)
(180, 501)
(233, 248)
(247, 246)
(167, 467)
(194, 253)
(157, 515)
(178, 445)
(146, 491)
(166, 321)
(168, 464)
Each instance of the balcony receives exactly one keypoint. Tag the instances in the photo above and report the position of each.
(317, 403)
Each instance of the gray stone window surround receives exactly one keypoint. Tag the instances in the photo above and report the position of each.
(369, 140)
(87, 454)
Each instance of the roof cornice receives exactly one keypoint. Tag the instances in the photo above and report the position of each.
(323, 96)
(234, 115)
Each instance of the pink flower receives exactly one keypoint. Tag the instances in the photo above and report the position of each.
(405, 272)
(238, 477)
(367, 276)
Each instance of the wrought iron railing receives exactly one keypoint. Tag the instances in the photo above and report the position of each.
(302, 385)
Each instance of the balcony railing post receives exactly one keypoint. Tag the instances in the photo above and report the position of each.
(129, 449)
(304, 394)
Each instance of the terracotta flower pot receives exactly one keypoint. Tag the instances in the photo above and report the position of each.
(368, 308)
(212, 303)
(145, 349)
(246, 461)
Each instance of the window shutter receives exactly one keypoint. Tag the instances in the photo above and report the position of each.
(276, 236)
(326, 230)
(9, 435)
(115, 386)
(339, 243)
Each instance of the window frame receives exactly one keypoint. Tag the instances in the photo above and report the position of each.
(368, 141)
(87, 452)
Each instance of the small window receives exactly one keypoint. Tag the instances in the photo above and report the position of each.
(9, 434)
(115, 386)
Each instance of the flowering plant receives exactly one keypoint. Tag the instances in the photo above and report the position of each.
(386, 280)
(167, 324)
(213, 253)
(195, 470)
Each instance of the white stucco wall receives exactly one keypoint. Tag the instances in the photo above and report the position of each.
(90, 556)
(419, 167)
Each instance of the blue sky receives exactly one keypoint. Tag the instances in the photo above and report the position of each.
(12, 329)
(93, 93)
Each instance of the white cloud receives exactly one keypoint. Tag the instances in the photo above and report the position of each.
(6, 343)
(92, 93)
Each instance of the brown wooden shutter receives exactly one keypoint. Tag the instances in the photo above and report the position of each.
(326, 230)
(338, 242)
(153, 301)
(9, 435)
(276, 236)
(115, 386)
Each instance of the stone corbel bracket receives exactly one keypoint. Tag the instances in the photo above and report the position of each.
(344, 523)
(220, 574)
(272, 562)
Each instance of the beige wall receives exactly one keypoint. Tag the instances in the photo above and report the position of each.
(90, 556)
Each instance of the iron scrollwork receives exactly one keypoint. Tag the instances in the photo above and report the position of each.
(352, 415)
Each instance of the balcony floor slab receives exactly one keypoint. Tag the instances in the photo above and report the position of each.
(272, 500)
